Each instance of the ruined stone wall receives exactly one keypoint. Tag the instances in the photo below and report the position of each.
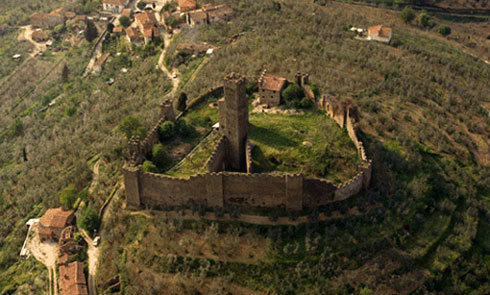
(217, 160)
(151, 139)
(215, 91)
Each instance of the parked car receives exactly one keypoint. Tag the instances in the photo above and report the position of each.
(96, 241)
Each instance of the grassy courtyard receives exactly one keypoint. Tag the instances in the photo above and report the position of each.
(308, 143)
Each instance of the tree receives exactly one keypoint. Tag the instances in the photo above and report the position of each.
(182, 102)
(141, 5)
(110, 28)
(130, 126)
(89, 219)
(90, 31)
(425, 21)
(444, 30)
(68, 197)
(167, 130)
(407, 15)
(124, 21)
(159, 155)
(16, 127)
(292, 95)
(148, 166)
(64, 74)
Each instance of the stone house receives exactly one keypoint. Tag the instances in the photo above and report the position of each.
(197, 17)
(145, 18)
(187, 5)
(219, 13)
(379, 33)
(133, 36)
(39, 36)
(72, 279)
(47, 20)
(114, 6)
(118, 30)
(148, 25)
(270, 88)
(53, 222)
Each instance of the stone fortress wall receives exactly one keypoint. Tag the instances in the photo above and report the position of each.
(221, 188)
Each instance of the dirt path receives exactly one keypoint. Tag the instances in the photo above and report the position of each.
(253, 219)
(46, 253)
(26, 34)
(95, 179)
(161, 66)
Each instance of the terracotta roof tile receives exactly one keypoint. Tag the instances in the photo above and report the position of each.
(186, 5)
(56, 217)
(274, 83)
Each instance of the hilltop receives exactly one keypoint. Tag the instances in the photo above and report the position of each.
(424, 101)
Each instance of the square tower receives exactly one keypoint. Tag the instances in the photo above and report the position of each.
(235, 115)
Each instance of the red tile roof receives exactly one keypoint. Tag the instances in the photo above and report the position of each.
(126, 12)
(274, 83)
(57, 218)
(118, 30)
(115, 2)
(146, 18)
(198, 15)
(72, 279)
(186, 5)
(381, 30)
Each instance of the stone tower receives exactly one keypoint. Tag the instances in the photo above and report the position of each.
(235, 116)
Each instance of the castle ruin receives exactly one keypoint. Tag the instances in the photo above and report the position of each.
(239, 186)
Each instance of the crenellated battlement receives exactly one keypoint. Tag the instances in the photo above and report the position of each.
(221, 188)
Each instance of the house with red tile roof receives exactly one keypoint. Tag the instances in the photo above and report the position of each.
(127, 12)
(133, 36)
(53, 222)
(72, 279)
(47, 20)
(379, 33)
(270, 88)
(187, 5)
(197, 17)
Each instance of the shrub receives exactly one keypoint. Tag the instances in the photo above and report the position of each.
(110, 27)
(68, 197)
(183, 128)
(89, 219)
(305, 103)
(407, 15)
(130, 126)
(124, 21)
(292, 95)
(159, 155)
(141, 5)
(148, 166)
(425, 21)
(167, 130)
(444, 30)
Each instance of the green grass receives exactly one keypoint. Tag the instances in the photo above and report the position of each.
(279, 144)
(195, 162)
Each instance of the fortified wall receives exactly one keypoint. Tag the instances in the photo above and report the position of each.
(220, 188)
